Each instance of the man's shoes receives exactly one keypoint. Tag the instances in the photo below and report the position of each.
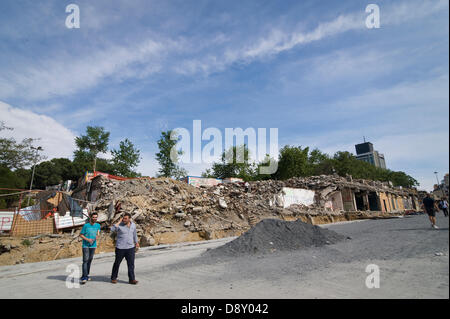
(83, 281)
(133, 282)
(114, 281)
(89, 278)
(435, 227)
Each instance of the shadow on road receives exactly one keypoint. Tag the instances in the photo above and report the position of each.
(423, 228)
(93, 278)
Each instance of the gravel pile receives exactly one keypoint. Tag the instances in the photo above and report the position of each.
(271, 235)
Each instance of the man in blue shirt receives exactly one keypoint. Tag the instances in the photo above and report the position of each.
(126, 243)
(89, 233)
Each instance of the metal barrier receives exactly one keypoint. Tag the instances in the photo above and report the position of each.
(26, 224)
(31, 221)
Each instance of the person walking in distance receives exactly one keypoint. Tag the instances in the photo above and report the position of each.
(430, 207)
(443, 205)
(89, 233)
(126, 243)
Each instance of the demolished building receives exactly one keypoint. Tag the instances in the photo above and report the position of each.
(165, 209)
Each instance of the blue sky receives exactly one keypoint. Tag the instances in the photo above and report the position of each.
(312, 69)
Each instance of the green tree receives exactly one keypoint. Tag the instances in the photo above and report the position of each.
(168, 157)
(235, 162)
(319, 163)
(10, 179)
(82, 165)
(264, 163)
(125, 159)
(16, 155)
(95, 141)
(54, 172)
(344, 163)
(402, 179)
(292, 162)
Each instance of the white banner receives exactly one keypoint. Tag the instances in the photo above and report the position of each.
(69, 221)
(6, 219)
(31, 212)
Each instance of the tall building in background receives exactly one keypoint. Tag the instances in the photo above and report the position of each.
(365, 152)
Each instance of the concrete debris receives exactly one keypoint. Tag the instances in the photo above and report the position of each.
(147, 240)
(160, 205)
(222, 203)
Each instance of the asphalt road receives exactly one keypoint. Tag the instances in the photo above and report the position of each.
(411, 257)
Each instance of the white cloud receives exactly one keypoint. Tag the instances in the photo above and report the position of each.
(429, 94)
(148, 166)
(355, 64)
(410, 10)
(278, 40)
(55, 139)
(417, 154)
(66, 74)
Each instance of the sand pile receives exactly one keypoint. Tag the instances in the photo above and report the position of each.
(271, 235)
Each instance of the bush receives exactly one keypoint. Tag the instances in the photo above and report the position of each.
(27, 242)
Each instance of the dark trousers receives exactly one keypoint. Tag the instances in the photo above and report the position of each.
(129, 256)
(88, 255)
(445, 210)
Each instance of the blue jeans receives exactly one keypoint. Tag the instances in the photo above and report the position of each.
(128, 254)
(88, 255)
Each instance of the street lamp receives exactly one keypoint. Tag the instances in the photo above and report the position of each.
(437, 180)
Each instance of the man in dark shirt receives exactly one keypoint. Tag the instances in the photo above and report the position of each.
(430, 208)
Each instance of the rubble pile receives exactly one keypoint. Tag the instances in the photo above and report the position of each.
(327, 184)
(160, 205)
(156, 205)
(271, 235)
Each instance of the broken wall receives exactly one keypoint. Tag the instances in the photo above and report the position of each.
(385, 202)
(400, 203)
(348, 199)
(201, 181)
(335, 202)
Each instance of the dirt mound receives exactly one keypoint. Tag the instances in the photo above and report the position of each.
(271, 235)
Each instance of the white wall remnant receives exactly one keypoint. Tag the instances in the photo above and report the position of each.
(300, 196)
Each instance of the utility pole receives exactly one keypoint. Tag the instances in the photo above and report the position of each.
(36, 150)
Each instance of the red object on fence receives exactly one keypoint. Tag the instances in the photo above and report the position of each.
(119, 178)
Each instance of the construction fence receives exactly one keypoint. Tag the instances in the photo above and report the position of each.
(44, 217)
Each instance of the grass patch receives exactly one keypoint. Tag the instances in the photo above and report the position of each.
(27, 242)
